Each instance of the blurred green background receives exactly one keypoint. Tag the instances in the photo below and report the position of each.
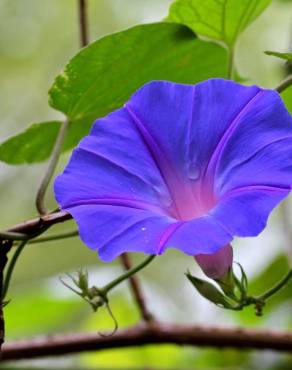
(37, 38)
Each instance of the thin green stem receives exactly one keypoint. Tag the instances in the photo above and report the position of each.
(50, 238)
(127, 274)
(10, 268)
(284, 84)
(230, 65)
(40, 205)
(276, 288)
(10, 235)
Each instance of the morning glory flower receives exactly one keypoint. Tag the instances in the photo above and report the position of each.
(180, 166)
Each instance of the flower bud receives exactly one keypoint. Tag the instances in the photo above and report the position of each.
(218, 264)
(83, 280)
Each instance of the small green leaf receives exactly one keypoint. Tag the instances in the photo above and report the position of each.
(35, 144)
(208, 291)
(102, 76)
(221, 20)
(32, 145)
(286, 56)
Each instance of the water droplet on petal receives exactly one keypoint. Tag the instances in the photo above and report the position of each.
(194, 171)
(163, 196)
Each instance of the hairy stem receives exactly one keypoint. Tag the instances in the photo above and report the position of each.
(136, 290)
(40, 198)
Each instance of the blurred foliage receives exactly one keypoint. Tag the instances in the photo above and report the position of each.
(37, 38)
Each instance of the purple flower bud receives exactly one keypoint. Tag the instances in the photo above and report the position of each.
(218, 264)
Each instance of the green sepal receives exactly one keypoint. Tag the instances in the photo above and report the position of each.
(228, 284)
(209, 291)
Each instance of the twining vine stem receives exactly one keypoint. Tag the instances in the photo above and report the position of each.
(10, 269)
(277, 287)
(50, 238)
(127, 274)
(40, 198)
(10, 235)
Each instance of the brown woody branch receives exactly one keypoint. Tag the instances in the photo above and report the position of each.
(5, 246)
(38, 225)
(83, 23)
(136, 290)
(155, 333)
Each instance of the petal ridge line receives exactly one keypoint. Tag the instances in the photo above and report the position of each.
(114, 163)
(167, 234)
(116, 202)
(251, 188)
(217, 153)
(255, 153)
(155, 152)
(220, 224)
(119, 233)
(243, 190)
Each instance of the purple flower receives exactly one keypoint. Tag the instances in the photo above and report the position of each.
(180, 166)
